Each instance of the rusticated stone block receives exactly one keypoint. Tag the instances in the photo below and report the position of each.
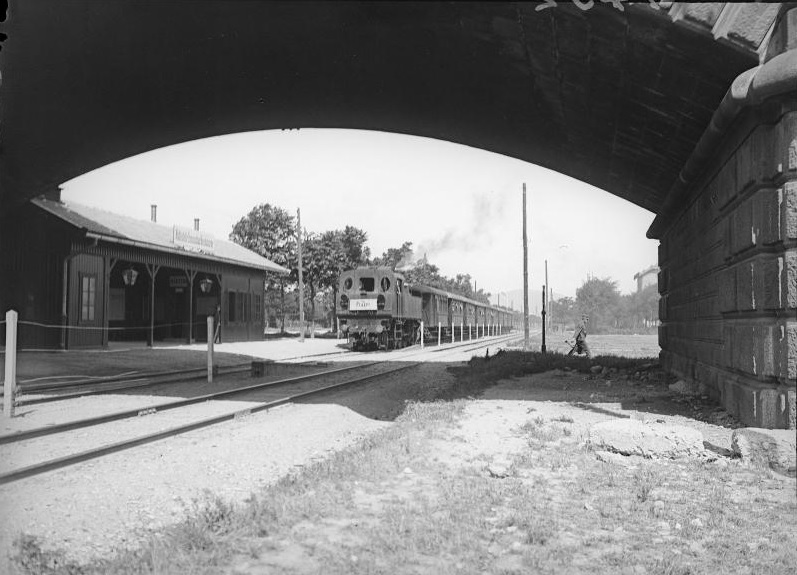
(727, 345)
(788, 207)
(767, 210)
(786, 134)
(764, 359)
(663, 343)
(664, 280)
(767, 283)
(727, 290)
(789, 350)
(743, 234)
(745, 289)
(790, 279)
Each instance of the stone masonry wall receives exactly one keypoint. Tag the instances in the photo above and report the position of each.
(728, 279)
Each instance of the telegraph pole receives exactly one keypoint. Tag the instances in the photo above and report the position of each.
(525, 276)
(301, 283)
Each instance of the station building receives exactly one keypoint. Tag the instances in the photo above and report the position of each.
(82, 277)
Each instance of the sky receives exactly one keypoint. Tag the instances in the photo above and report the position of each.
(459, 206)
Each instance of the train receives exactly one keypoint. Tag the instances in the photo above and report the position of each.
(379, 309)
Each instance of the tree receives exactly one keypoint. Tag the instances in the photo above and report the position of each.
(599, 299)
(564, 311)
(355, 252)
(270, 232)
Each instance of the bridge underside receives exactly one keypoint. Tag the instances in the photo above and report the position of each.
(621, 100)
(616, 99)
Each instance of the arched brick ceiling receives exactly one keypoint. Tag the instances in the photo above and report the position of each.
(616, 99)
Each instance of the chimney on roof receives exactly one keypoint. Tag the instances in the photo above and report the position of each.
(153, 212)
(196, 224)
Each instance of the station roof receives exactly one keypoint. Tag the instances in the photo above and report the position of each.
(108, 226)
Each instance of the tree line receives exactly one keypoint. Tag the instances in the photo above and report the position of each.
(608, 310)
(271, 232)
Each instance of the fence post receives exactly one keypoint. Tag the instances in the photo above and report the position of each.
(210, 348)
(9, 387)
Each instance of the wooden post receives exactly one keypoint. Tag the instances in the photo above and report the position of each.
(301, 280)
(422, 332)
(211, 337)
(9, 387)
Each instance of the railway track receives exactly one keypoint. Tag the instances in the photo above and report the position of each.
(65, 387)
(45, 392)
(261, 397)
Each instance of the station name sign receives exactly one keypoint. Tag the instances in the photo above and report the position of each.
(191, 240)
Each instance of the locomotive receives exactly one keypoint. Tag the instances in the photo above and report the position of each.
(378, 309)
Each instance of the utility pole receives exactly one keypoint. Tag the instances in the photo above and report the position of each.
(301, 282)
(525, 277)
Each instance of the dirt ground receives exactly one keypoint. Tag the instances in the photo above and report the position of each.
(588, 516)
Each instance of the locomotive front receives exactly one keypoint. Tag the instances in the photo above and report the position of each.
(367, 305)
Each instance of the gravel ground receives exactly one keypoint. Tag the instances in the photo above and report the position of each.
(93, 507)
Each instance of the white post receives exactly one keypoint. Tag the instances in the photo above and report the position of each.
(9, 388)
(439, 332)
(210, 349)
(470, 334)
(422, 335)
(461, 331)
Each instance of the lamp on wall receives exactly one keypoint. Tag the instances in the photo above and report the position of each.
(205, 285)
(129, 276)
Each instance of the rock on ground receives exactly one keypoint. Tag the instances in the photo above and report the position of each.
(633, 437)
(774, 448)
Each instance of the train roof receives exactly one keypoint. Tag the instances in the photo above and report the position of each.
(433, 290)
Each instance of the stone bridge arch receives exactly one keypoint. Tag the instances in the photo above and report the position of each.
(685, 110)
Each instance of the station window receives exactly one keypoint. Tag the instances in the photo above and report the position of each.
(88, 295)
(367, 284)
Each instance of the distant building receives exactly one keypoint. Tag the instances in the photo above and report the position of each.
(647, 277)
(84, 277)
